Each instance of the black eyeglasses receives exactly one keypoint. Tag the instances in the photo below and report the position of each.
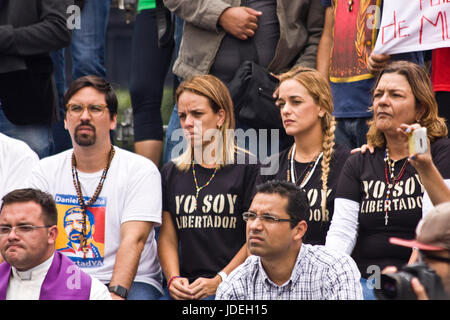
(20, 230)
(265, 217)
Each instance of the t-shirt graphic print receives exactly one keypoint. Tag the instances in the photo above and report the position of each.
(70, 226)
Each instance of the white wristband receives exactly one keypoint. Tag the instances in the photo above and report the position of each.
(223, 275)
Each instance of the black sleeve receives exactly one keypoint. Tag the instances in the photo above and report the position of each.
(165, 177)
(440, 151)
(251, 173)
(348, 186)
(49, 33)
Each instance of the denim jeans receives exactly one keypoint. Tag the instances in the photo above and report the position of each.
(169, 142)
(167, 296)
(38, 136)
(351, 132)
(367, 289)
(143, 291)
(88, 58)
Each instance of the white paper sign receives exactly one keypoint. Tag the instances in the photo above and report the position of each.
(413, 25)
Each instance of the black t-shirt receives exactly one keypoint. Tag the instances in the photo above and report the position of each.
(211, 235)
(317, 223)
(363, 180)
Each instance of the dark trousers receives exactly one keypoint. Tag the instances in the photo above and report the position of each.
(443, 101)
(149, 66)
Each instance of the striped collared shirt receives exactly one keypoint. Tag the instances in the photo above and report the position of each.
(319, 274)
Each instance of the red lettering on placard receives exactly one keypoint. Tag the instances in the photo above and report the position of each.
(397, 30)
(383, 41)
(435, 24)
(402, 28)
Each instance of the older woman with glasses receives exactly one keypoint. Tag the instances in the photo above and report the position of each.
(379, 194)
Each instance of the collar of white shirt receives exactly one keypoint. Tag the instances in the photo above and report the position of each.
(35, 273)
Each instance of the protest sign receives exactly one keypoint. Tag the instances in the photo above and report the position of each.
(413, 25)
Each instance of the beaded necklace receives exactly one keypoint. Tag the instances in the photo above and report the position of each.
(83, 205)
(389, 175)
(197, 188)
(350, 5)
(291, 172)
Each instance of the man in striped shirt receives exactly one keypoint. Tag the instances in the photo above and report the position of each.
(281, 267)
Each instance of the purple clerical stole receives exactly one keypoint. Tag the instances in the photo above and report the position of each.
(64, 281)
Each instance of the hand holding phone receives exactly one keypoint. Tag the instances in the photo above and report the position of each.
(417, 141)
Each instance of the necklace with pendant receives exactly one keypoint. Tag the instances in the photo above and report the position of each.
(197, 188)
(391, 181)
(83, 205)
(307, 173)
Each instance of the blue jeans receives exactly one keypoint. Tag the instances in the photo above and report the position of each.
(88, 58)
(367, 289)
(167, 296)
(143, 291)
(169, 143)
(351, 132)
(38, 136)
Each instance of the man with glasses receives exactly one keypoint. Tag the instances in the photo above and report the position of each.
(281, 267)
(119, 189)
(33, 270)
(433, 242)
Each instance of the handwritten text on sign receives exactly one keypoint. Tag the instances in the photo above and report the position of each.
(413, 25)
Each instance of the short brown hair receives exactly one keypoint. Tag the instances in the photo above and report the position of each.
(97, 83)
(45, 200)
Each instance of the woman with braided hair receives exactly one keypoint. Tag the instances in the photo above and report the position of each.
(314, 161)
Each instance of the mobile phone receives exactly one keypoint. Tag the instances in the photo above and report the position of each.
(417, 141)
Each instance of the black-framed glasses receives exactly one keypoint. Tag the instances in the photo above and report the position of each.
(19, 230)
(265, 217)
(95, 110)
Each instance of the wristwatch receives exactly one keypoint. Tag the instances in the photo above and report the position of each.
(223, 275)
(119, 290)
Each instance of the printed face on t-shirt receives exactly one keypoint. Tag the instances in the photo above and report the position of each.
(393, 103)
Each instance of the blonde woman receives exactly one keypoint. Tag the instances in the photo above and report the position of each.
(314, 161)
(205, 191)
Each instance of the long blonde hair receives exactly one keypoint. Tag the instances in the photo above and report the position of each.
(319, 89)
(219, 98)
(421, 87)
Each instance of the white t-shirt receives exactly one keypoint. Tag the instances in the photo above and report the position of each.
(131, 192)
(26, 285)
(16, 162)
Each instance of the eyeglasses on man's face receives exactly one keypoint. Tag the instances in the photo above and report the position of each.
(265, 217)
(95, 110)
(20, 230)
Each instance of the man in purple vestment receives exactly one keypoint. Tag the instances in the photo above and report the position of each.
(32, 269)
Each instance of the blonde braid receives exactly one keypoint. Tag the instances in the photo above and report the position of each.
(327, 149)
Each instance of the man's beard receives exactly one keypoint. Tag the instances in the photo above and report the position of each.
(85, 140)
